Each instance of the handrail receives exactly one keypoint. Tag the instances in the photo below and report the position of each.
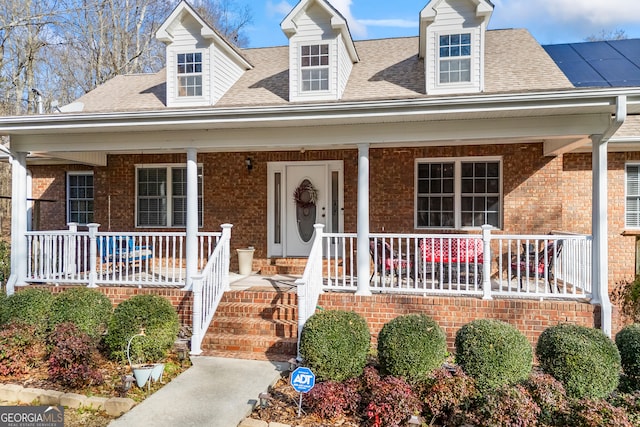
(309, 287)
(208, 289)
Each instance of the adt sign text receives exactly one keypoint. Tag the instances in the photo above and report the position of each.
(303, 380)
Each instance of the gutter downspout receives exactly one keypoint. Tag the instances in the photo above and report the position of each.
(599, 221)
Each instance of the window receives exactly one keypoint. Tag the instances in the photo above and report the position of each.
(190, 74)
(455, 58)
(632, 202)
(315, 67)
(80, 197)
(162, 196)
(458, 193)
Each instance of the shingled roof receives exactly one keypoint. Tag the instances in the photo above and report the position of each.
(389, 69)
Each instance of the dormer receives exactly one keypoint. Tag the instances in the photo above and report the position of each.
(452, 39)
(321, 51)
(201, 65)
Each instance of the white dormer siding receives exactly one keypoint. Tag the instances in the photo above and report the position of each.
(452, 43)
(315, 24)
(210, 65)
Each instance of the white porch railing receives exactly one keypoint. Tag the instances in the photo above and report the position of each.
(483, 265)
(112, 258)
(309, 287)
(208, 289)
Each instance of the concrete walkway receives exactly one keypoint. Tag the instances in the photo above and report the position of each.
(214, 392)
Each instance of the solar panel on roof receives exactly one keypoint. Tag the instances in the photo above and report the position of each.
(597, 64)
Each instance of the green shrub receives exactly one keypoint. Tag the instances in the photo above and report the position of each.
(5, 264)
(583, 359)
(335, 344)
(86, 308)
(494, 353)
(411, 346)
(628, 343)
(31, 306)
(627, 297)
(151, 313)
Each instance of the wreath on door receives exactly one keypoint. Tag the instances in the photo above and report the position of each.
(305, 195)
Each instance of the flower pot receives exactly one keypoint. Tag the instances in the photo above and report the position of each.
(156, 371)
(245, 260)
(141, 373)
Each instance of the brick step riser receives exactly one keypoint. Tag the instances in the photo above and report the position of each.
(280, 330)
(250, 345)
(265, 298)
(273, 270)
(258, 312)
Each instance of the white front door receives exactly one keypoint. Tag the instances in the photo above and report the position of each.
(302, 194)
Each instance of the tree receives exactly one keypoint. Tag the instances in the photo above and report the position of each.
(66, 48)
(617, 34)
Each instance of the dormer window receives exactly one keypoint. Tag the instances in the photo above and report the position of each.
(455, 58)
(315, 67)
(189, 74)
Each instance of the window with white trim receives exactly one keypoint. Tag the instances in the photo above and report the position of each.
(80, 197)
(161, 199)
(454, 58)
(632, 196)
(458, 193)
(189, 74)
(314, 67)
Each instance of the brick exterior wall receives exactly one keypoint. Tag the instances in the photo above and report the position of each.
(540, 194)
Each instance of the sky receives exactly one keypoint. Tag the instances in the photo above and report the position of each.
(550, 21)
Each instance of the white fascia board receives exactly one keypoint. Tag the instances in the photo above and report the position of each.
(530, 104)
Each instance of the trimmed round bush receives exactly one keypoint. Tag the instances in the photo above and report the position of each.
(494, 353)
(31, 306)
(628, 343)
(335, 344)
(151, 313)
(86, 308)
(583, 359)
(411, 346)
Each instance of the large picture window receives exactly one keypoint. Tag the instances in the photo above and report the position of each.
(458, 193)
(455, 58)
(632, 196)
(162, 196)
(80, 197)
(315, 67)
(190, 74)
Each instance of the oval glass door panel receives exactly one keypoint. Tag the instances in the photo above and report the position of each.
(305, 198)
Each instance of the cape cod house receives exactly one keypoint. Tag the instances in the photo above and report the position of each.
(458, 173)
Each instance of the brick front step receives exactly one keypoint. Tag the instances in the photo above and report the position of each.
(255, 326)
(249, 344)
(258, 323)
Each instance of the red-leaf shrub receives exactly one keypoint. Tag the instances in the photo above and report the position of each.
(21, 348)
(595, 413)
(390, 401)
(507, 406)
(549, 394)
(332, 399)
(446, 394)
(72, 361)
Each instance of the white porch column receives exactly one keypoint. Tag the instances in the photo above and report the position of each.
(599, 230)
(19, 251)
(363, 220)
(191, 244)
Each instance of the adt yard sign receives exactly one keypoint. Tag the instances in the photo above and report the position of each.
(302, 379)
